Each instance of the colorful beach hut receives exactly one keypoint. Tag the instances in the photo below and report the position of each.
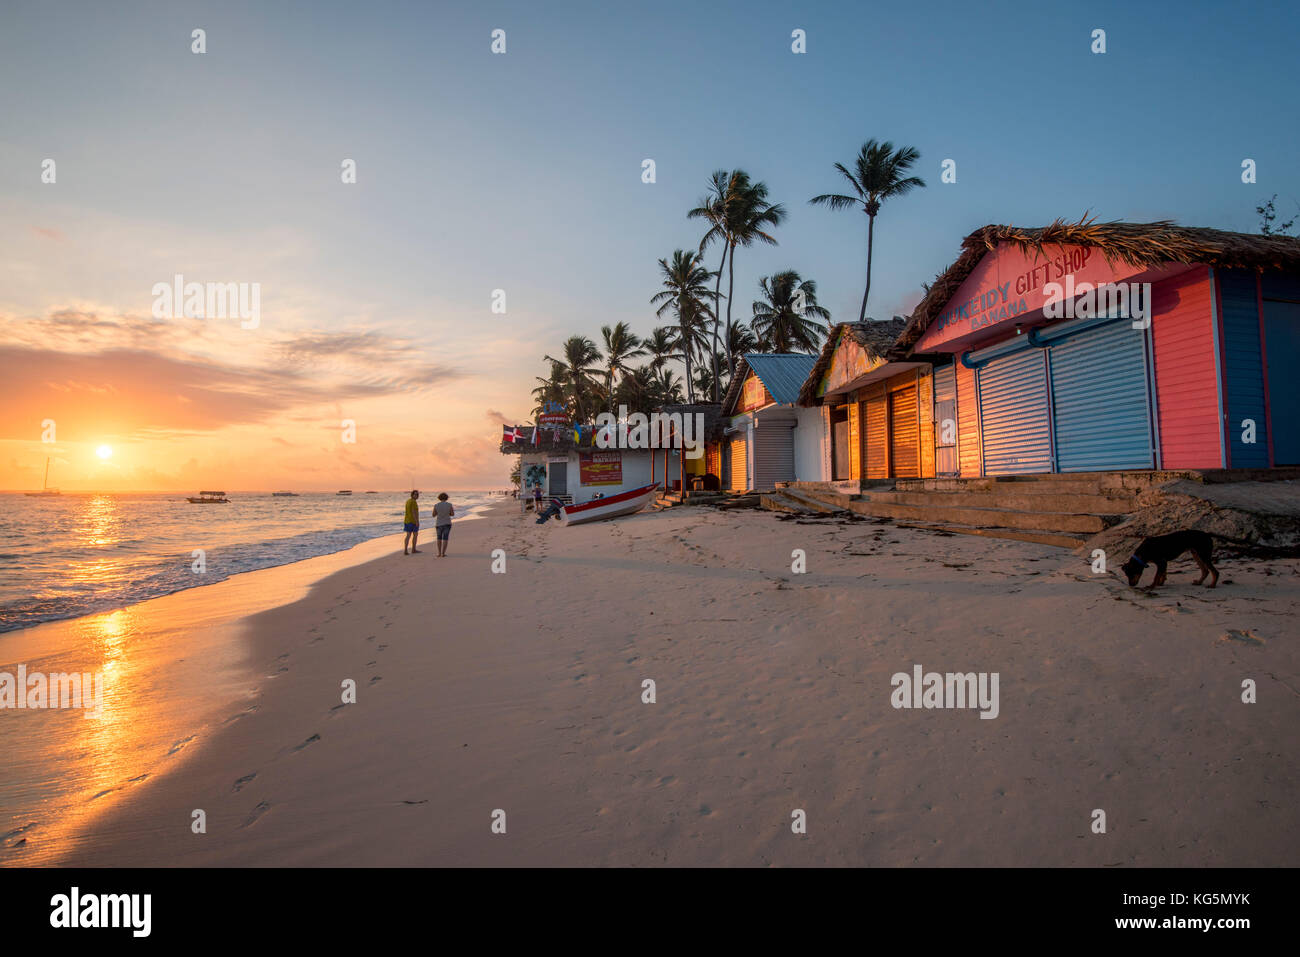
(769, 437)
(879, 410)
(1086, 346)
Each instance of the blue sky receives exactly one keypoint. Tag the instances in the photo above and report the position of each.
(522, 171)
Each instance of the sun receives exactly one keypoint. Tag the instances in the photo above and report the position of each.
(105, 452)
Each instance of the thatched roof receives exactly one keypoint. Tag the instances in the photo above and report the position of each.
(714, 423)
(876, 338)
(1138, 244)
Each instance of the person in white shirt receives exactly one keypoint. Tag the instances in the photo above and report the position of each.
(442, 514)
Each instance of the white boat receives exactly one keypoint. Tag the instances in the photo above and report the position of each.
(46, 491)
(624, 503)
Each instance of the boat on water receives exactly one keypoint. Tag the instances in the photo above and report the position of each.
(46, 491)
(624, 503)
(372, 493)
(284, 495)
(208, 498)
(344, 491)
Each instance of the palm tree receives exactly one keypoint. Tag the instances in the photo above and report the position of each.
(713, 210)
(549, 389)
(686, 294)
(620, 346)
(668, 388)
(778, 321)
(742, 340)
(578, 373)
(659, 347)
(704, 380)
(878, 176)
(748, 217)
(637, 389)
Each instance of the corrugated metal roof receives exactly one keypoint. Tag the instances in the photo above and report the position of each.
(783, 374)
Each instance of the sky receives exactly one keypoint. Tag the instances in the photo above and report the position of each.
(522, 172)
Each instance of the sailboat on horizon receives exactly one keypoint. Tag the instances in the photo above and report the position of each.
(46, 491)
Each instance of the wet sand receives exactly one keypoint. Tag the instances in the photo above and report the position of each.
(522, 693)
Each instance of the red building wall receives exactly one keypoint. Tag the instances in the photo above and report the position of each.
(1184, 338)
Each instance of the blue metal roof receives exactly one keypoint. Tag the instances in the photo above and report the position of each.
(783, 374)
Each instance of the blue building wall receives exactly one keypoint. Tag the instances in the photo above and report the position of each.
(1243, 370)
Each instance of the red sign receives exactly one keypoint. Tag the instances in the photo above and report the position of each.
(1008, 286)
(600, 468)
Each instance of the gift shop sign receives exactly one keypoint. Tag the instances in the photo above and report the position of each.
(1008, 287)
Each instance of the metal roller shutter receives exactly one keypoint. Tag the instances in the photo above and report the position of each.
(739, 472)
(773, 454)
(904, 439)
(1014, 419)
(876, 435)
(1100, 400)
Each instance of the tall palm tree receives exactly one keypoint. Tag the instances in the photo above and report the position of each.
(878, 175)
(779, 322)
(659, 347)
(579, 374)
(704, 380)
(713, 210)
(749, 216)
(620, 346)
(685, 293)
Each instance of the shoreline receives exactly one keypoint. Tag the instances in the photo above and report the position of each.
(188, 658)
(523, 692)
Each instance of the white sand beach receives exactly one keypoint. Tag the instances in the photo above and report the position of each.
(522, 692)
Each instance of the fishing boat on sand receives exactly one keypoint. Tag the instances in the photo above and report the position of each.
(46, 491)
(625, 503)
(208, 498)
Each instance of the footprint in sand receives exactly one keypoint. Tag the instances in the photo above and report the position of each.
(239, 785)
(376, 678)
(180, 744)
(242, 714)
(1245, 637)
(312, 740)
(258, 811)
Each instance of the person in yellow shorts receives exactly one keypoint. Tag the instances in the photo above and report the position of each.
(412, 524)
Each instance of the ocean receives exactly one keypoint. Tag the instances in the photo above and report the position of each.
(81, 553)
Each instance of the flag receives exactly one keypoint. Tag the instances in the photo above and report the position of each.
(511, 434)
(534, 433)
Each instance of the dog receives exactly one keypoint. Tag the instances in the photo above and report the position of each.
(1160, 550)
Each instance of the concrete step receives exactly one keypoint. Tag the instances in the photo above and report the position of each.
(781, 502)
(833, 500)
(816, 501)
(1010, 498)
(989, 517)
(1058, 539)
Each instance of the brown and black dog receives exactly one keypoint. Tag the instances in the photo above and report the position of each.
(1160, 550)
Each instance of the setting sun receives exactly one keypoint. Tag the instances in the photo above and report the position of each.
(104, 452)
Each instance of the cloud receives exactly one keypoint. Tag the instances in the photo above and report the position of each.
(54, 234)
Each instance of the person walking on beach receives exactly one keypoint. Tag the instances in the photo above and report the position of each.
(412, 524)
(442, 514)
(537, 497)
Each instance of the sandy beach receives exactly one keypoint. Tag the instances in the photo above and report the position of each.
(479, 692)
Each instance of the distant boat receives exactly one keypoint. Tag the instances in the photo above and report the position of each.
(344, 491)
(372, 493)
(209, 498)
(284, 494)
(46, 491)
